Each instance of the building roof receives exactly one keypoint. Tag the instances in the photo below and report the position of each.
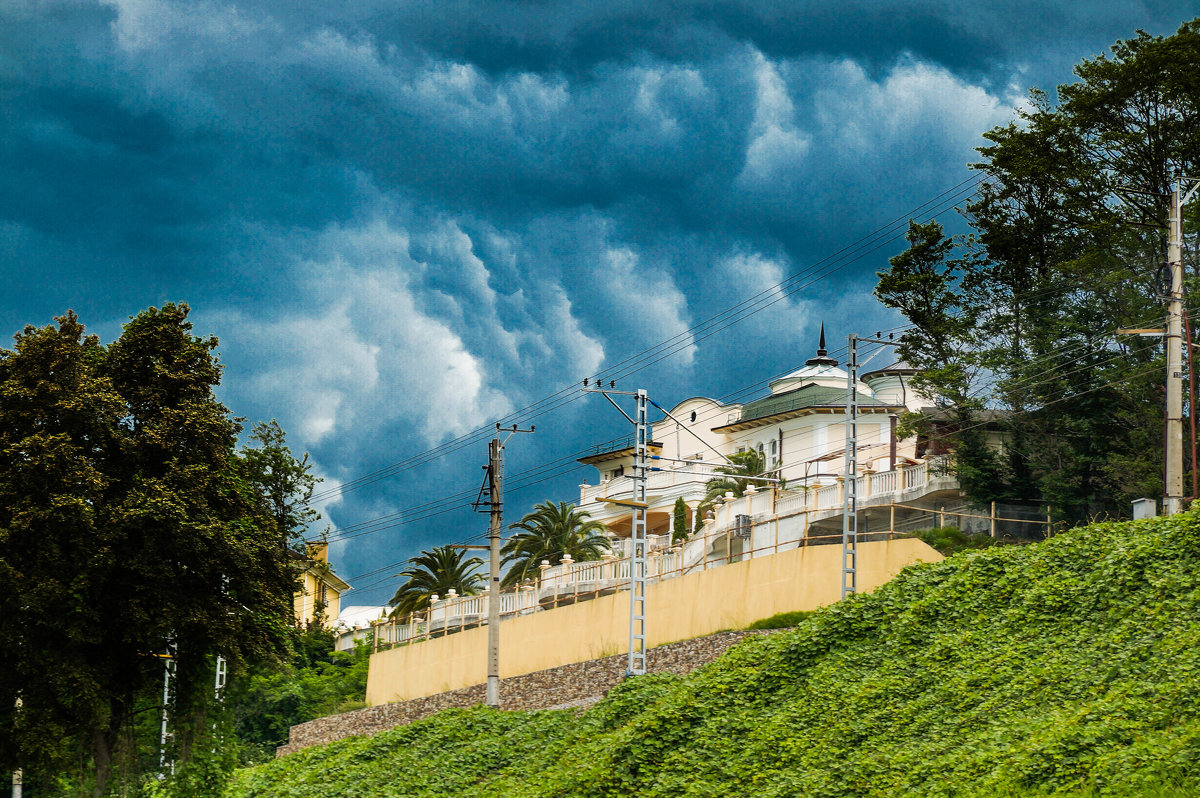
(613, 450)
(807, 399)
(898, 367)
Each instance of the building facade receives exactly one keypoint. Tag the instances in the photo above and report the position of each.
(319, 594)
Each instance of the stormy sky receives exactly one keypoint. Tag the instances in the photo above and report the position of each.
(408, 220)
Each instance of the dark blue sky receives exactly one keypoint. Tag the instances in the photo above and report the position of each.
(406, 220)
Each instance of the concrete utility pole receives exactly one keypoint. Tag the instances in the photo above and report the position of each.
(494, 486)
(1173, 487)
(495, 494)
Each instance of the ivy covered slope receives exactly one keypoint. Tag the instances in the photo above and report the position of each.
(1069, 667)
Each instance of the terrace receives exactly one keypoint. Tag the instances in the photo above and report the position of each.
(759, 524)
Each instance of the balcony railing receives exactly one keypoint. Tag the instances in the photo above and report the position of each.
(656, 481)
(569, 582)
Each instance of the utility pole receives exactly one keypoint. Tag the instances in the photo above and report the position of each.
(850, 481)
(165, 734)
(494, 487)
(850, 484)
(1173, 486)
(18, 778)
(637, 565)
(637, 569)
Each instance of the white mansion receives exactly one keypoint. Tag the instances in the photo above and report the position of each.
(799, 429)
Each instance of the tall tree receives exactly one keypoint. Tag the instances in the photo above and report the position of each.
(435, 572)
(125, 523)
(1069, 240)
(926, 285)
(285, 483)
(550, 532)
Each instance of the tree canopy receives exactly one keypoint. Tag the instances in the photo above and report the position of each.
(1068, 243)
(435, 572)
(126, 524)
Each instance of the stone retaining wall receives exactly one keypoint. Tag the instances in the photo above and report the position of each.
(578, 684)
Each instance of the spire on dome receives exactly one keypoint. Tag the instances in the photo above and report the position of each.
(822, 358)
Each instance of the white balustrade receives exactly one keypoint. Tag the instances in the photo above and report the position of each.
(666, 560)
(792, 501)
(827, 497)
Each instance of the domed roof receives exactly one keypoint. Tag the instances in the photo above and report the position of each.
(820, 370)
(896, 369)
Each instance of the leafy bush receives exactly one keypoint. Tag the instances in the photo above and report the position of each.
(951, 540)
(1067, 667)
(782, 620)
(318, 682)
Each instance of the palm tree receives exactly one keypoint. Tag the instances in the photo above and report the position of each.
(548, 533)
(743, 467)
(436, 571)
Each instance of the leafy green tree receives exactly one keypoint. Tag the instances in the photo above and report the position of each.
(1069, 238)
(925, 284)
(318, 681)
(125, 523)
(285, 483)
(435, 572)
(549, 532)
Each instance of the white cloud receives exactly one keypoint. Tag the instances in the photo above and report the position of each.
(914, 101)
(646, 306)
(776, 145)
(157, 24)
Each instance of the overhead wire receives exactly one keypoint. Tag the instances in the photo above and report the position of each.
(671, 346)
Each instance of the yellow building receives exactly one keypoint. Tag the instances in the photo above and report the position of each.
(320, 591)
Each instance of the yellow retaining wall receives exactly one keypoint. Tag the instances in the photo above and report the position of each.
(728, 597)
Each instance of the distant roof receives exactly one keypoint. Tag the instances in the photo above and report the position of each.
(359, 615)
(897, 367)
(807, 398)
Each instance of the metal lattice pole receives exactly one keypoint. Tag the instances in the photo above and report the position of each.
(165, 734)
(221, 676)
(850, 485)
(637, 565)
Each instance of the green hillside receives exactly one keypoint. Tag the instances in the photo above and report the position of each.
(1072, 665)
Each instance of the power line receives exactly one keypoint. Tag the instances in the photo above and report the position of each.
(671, 346)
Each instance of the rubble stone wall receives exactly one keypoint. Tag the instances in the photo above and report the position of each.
(575, 685)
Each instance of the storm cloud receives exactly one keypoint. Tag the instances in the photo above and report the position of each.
(406, 221)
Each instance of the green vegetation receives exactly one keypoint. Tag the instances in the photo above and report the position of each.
(434, 573)
(1066, 667)
(951, 540)
(781, 620)
(317, 682)
(679, 526)
(129, 522)
(550, 532)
